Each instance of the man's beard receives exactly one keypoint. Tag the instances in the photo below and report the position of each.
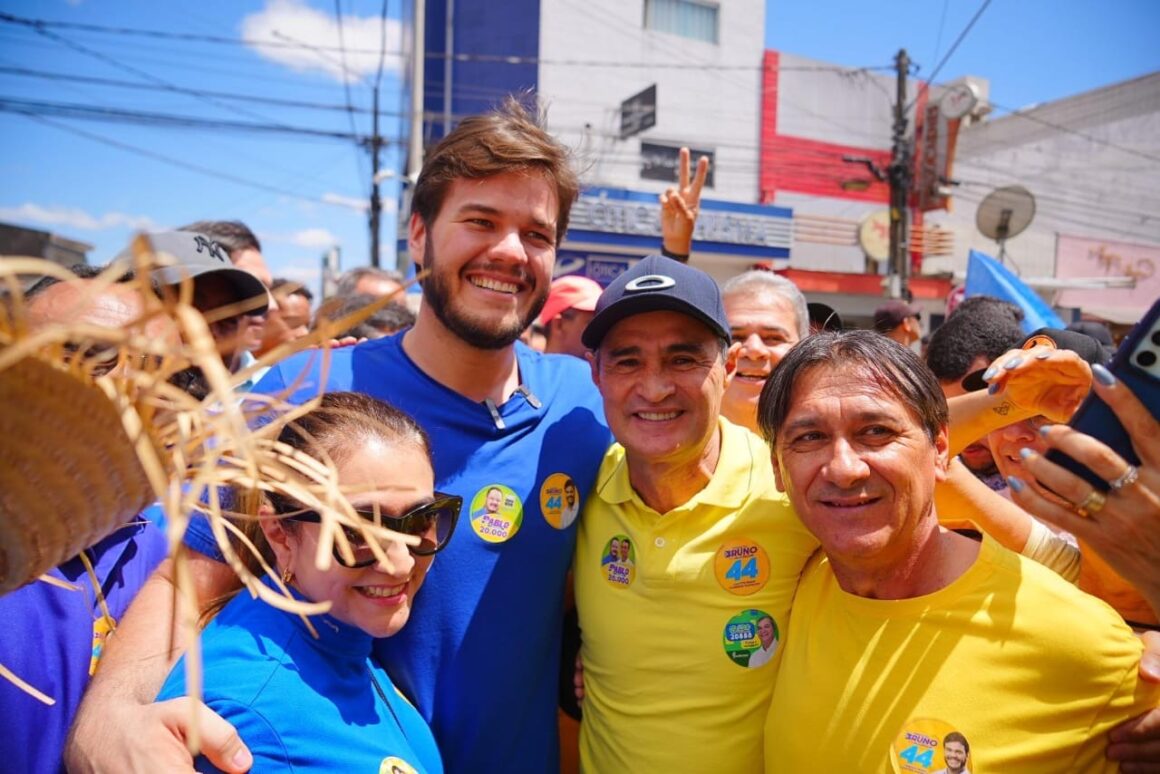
(438, 296)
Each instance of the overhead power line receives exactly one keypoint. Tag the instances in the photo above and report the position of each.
(286, 42)
(72, 110)
(115, 83)
(954, 46)
(179, 163)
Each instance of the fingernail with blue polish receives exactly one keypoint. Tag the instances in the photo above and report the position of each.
(1026, 453)
(1044, 355)
(989, 374)
(994, 388)
(1016, 483)
(1045, 430)
(1103, 375)
(1013, 363)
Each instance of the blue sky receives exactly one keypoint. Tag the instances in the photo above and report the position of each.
(98, 181)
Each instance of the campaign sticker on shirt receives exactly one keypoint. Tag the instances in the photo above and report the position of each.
(395, 765)
(751, 638)
(496, 513)
(559, 500)
(926, 746)
(741, 567)
(618, 562)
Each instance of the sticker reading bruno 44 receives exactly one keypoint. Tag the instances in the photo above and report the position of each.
(928, 746)
(741, 567)
(559, 500)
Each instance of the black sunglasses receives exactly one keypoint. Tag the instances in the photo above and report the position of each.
(432, 523)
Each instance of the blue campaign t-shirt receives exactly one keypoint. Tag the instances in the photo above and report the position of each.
(52, 637)
(480, 655)
(302, 703)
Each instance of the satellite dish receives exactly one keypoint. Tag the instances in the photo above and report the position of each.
(1004, 213)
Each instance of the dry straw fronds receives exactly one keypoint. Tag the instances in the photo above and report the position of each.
(85, 447)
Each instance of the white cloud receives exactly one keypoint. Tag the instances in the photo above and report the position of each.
(284, 22)
(313, 237)
(74, 217)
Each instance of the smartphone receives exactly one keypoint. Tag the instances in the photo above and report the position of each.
(1137, 366)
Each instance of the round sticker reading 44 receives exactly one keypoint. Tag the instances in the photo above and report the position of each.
(741, 567)
(926, 745)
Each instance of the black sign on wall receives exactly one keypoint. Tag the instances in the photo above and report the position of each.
(662, 162)
(638, 112)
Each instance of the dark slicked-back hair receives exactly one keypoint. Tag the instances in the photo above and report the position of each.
(511, 138)
(955, 736)
(233, 235)
(882, 361)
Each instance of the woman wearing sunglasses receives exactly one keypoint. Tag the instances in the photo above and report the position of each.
(312, 704)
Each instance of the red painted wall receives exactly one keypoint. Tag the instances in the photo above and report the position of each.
(808, 166)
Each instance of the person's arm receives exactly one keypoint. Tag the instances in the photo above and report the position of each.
(118, 727)
(679, 209)
(962, 500)
(1136, 742)
(1024, 383)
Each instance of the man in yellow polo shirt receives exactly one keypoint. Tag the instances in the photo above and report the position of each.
(709, 551)
(906, 639)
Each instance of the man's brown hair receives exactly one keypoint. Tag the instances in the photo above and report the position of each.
(508, 139)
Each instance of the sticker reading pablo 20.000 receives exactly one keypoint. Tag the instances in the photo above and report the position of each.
(496, 513)
(618, 561)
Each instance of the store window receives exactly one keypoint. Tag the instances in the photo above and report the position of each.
(687, 18)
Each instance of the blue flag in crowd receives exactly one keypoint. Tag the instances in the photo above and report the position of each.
(988, 277)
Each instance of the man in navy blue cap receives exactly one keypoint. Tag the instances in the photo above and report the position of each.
(693, 497)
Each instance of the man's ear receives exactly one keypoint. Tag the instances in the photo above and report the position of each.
(417, 240)
(594, 365)
(731, 356)
(942, 448)
(776, 471)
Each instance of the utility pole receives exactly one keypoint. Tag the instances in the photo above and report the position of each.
(376, 143)
(899, 177)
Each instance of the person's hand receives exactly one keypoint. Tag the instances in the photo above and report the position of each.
(345, 341)
(680, 206)
(1043, 380)
(1136, 742)
(147, 738)
(1123, 527)
(578, 680)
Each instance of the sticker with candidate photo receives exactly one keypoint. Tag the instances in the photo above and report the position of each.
(751, 638)
(395, 765)
(496, 513)
(925, 746)
(559, 500)
(741, 567)
(618, 562)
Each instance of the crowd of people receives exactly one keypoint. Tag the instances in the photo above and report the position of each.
(725, 535)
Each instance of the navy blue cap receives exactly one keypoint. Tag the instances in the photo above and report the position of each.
(658, 284)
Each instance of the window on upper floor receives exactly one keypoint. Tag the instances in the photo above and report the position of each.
(687, 18)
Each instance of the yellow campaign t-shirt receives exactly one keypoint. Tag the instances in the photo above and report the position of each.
(672, 608)
(1029, 670)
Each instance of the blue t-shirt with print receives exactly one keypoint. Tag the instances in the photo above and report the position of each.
(480, 655)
